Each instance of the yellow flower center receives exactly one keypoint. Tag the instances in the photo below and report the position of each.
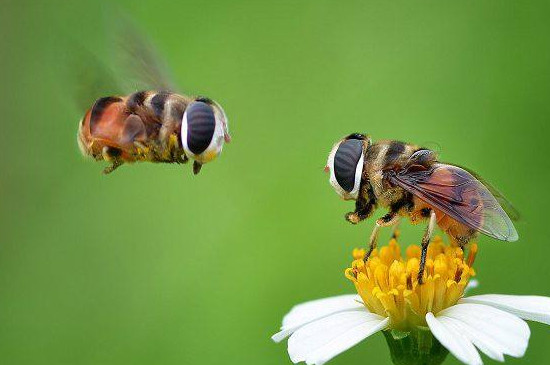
(388, 283)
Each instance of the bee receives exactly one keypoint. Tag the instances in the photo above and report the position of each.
(411, 182)
(156, 126)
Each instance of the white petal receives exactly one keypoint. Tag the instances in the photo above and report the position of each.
(321, 340)
(530, 307)
(453, 340)
(304, 313)
(492, 330)
(486, 345)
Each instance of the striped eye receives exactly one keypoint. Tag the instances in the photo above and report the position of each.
(347, 165)
(200, 123)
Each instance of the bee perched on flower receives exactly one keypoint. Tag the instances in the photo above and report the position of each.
(411, 182)
(421, 323)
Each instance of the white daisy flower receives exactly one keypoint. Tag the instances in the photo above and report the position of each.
(419, 322)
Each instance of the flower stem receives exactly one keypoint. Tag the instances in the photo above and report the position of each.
(417, 347)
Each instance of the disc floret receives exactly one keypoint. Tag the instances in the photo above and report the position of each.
(387, 282)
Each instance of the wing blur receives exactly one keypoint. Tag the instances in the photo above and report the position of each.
(460, 195)
(124, 63)
(136, 58)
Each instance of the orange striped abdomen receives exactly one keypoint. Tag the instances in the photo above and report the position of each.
(112, 123)
(459, 234)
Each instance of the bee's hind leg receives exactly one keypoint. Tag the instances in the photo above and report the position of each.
(388, 220)
(395, 229)
(112, 155)
(425, 242)
(115, 165)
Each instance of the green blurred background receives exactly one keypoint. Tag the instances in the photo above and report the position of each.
(152, 265)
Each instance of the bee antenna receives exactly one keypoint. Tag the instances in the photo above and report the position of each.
(358, 136)
(204, 99)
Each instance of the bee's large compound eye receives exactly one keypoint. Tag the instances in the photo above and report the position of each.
(201, 123)
(203, 131)
(346, 159)
(346, 166)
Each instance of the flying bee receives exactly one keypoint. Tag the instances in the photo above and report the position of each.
(411, 182)
(156, 126)
(153, 126)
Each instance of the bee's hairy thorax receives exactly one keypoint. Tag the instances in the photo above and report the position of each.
(381, 157)
(162, 113)
(163, 106)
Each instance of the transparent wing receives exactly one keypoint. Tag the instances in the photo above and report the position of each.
(136, 58)
(508, 207)
(85, 77)
(460, 195)
(124, 63)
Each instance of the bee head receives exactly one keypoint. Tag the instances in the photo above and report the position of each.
(345, 165)
(204, 130)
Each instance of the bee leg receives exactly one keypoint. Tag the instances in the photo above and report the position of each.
(425, 242)
(196, 167)
(395, 230)
(386, 221)
(115, 165)
(176, 153)
(363, 210)
(180, 157)
(140, 145)
(112, 155)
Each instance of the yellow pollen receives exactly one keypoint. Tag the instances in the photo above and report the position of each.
(388, 282)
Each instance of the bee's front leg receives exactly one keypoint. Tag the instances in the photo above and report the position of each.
(363, 210)
(197, 166)
(390, 219)
(364, 206)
